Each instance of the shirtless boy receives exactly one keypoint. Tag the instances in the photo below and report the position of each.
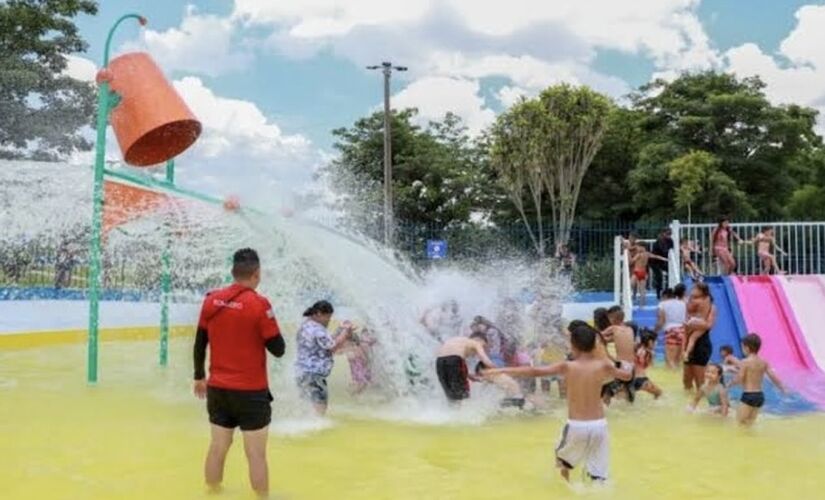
(638, 274)
(451, 367)
(621, 336)
(584, 438)
(752, 371)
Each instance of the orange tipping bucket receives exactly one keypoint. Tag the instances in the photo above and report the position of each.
(151, 122)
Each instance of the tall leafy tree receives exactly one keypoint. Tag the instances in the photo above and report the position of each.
(696, 177)
(605, 191)
(543, 147)
(42, 110)
(757, 145)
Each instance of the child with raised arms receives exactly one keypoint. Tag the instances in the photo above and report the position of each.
(584, 439)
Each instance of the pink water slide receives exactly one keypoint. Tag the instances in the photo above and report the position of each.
(768, 312)
(806, 295)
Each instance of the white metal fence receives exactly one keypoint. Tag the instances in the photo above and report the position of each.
(803, 244)
(801, 251)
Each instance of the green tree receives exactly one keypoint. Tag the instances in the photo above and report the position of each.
(42, 110)
(605, 188)
(758, 145)
(696, 177)
(541, 149)
(437, 182)
(808, 201)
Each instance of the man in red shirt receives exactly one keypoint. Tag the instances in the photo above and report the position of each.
(238, 325)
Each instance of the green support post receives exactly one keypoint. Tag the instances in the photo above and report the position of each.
(166, 280)
(105, 101)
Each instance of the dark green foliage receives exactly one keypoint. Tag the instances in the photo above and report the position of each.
(42, 110)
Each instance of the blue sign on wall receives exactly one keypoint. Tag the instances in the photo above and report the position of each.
(436, 249)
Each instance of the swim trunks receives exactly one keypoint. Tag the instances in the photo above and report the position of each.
(314, 387)
(585, 441)
(230, 408)
(452, 374)
(614, 387)
(753, 399)
(675, 336)
(641, 274)
(639, 382)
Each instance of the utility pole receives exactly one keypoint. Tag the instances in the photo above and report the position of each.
(387, 69)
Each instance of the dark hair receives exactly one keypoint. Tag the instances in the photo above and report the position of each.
(703, 287)
(615, 309)
(244, 263)
(633, 235)
(583, 337)
(767, 228)
(648, 335)
(679, 291)
(718, 227)
(480, 336)
(727, 348)
(667, 293)
(575, 324)
(600, 319)
(753, 342)
(721, 372)
(320, 307)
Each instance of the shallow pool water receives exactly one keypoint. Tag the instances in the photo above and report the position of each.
(140, 434)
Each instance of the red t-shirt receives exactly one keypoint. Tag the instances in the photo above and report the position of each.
(238, 322)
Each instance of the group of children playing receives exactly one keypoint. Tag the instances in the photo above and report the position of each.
(592, 376)
(721, 236)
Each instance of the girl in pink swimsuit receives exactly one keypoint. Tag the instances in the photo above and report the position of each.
(721, 245)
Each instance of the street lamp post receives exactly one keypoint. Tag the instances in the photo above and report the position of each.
(105, 102)
(387, 69)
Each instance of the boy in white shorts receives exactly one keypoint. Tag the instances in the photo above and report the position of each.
(584, 438)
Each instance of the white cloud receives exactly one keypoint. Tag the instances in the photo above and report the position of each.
(240, 146)
(202, 44)
(797, 73)
(321, 18)
(450, 45)
(435, 96)
(80, 68)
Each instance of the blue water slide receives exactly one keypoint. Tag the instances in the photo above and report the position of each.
(730, 329)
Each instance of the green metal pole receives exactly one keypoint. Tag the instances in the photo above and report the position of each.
(166, 281)
(104, 101)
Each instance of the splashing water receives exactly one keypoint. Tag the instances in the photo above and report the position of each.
(303, 260)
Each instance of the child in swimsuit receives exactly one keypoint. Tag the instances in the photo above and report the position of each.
(713, 390)
(358, 353)
(643, 360)
(686, 248)
(730, 363)
(764, 241)
(752, 372)
(721, 245)
(638, 263)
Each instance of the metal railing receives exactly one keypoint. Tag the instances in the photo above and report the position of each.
(801, 246)
(801, 250)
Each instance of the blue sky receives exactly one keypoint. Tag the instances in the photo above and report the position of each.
(271, 79)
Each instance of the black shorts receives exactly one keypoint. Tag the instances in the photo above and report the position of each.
(229, 408)
(452, 373)
(753, 399)
(700, 356)
(639, 382)
(615, 387)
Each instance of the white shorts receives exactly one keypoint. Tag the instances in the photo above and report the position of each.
(585, 441)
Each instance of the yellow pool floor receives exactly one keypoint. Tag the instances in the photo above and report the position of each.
(140, 434)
